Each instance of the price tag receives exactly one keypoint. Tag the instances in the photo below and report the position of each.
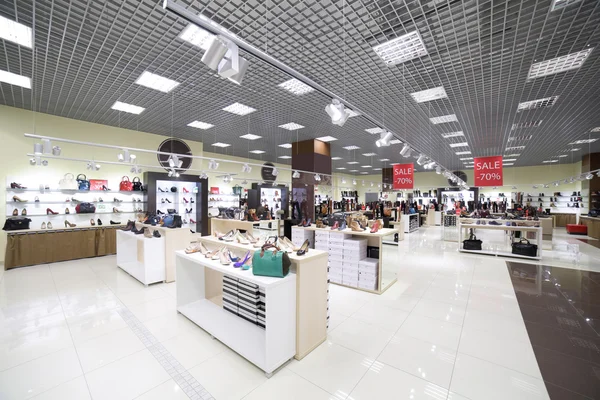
(488, 171)
(404, 176)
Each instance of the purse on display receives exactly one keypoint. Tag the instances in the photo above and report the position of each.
(68, 182)
(174, 189)
(126, 185)
(524, 248)
(16, 224)
(472, 243)
(83, 183)
(85, 208)
(137, 184)
(270, 261)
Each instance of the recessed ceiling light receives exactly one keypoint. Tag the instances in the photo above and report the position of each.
(257, 151)
(219, 144)
(453, 134)
(326, 138)
(285, 157)
(575, 149)
(296, 87)
(200, 125)
(376, 169)
(515, 148)
(596, 129)
(352, 162)
(369, 154)
(509, 159)
(559, 64)
(291, 126)
(462, 144)
(15, 32)
(558, 4)
(336, 158)
(468, 166)
(351, 147)
(384, 159)
(460, 153)
(550, 161)
(512, 155)
(366, 166)
(443, 119)
(353, 170)
(352, 113)
(250, 136)
(429, 94)
(401, 49)
(374, 131)
(239, 109)
(156, 82)
(466, 158)
(14, 79)
(583, 141)
(519, 138)
(197, 36)
(507, 164)
(364, 173)
(286, 145)
(530, 124)
(546, 102)
(340, 168)
(129, 108)
(395, 141)
(562, 155)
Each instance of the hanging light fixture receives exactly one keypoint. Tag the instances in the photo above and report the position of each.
(438, 170)
(244, 182)
(296, 175)
(274, 171)
(421, 159)
(337, 112)
(405, 152)
(174, 161)
(354, 182)
(212, 164)
(589, 176)
(363, 183)
(246, 168)
(343, 181)
(317, 178)
(384, 140)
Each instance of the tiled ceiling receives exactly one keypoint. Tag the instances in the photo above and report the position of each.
(88, 55)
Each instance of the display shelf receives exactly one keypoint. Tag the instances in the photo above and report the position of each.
(62, 229)
(141, 257)
(410, 223)
(72, 214)
(30, 202)
(75, 191)
(538, 238)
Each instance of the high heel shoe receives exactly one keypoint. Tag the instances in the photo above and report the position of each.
(355, 226)
(15, 212)
(185, 190)
(223, 257)
(232, 257)
(192, 221)
(69, 225)
(49, 225)
(115, 210)
(168, 201)
(105, 188)
(243, 261)
(24, 211)
(193, 248)
(130, 225)
(303, 249)
(343, 226)
(160, 190)
(67, 211)
(37, 199)
(92, 222)
(49, 211)
(99, 221)
(241, 239)
(335, 226)
(185, 200)
(43, 225)
(18, 199)
(375, 227)
(307, 223)
(162, 200)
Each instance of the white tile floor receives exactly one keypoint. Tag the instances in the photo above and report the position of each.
(450, 328)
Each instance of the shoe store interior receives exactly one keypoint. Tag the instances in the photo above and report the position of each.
(300, 199)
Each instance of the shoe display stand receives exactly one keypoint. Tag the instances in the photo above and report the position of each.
(593, 226)
(400, 232)
(311, 291)
(410, 223)
(434, 218)
(223, 200)
(141, 257)
(225, 225)
(200, 292)
(348, 244)
(563, 205)
(450, 228)
(529, 231)
(273, 225)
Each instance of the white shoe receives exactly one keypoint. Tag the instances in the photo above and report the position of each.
(241, 239)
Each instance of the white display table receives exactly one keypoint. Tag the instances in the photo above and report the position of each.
(200, 298)
(462, 228)
(141, 257)
(410, 222)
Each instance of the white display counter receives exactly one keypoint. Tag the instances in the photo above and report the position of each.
(141, 257)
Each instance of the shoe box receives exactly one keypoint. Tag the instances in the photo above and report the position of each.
(244, 299)
(368, 273)
(355, 249)
(321, 240)
(299, 235)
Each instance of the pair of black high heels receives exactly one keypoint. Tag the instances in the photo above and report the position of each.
(303, 249)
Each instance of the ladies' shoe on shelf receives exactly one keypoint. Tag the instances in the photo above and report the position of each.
(115, 222)
(243, 261)
(105, 188)
(18, 199)
(185, 190)
(43, 225)
(69, 225)
(92, 222)
(49, 225)
(37, 199)
(223, 258)
(156, 234)
(191, 200)
(115, 210)
(185, 200)
(231, 256)
(24, 211)
(343, 226)
(137, 232)
(147, 233)
(99, 221)
(15, 185)
(67, 211)
(168, 201)
(335, 226)
(303, 249)
(15, 212)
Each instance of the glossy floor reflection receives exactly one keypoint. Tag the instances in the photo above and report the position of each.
(450, 328)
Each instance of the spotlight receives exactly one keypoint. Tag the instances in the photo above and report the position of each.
(421, 159)
(274, 171)
(132, 157)
(296, 175)
(90, 166)
(174, 161)
(379, 186)
(47, 146)
(363, 183)
(598, 174)
(589, 176)
(438, 170)
(38, 148)
(56, 150)
(343, 181)
(354, 181)
(170, 174)
(494, 188)
(45, 163)
(227, 179)
(430, 165)
(371, 184)
(33, 161)
(405, 152)
(337, 113)
(546, 186)
(215, 53)
(535, 186)
(203, 175)
(556, 183)
(124, 156)
(317, 178)
(385, 139)
(244, 182)
(514, 188)
(212, 164)
(246, 168)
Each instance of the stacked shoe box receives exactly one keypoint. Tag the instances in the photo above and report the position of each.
(336, 256)
(299, 235)
(322, 243)
(354, 250)
(368, 271)
(262, 309)
(230, 294)
(245, 300)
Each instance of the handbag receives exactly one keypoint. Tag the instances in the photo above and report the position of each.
(83, 184)
(472, 243)
(68, 182)
(524, 248)
(171, 211)
(85, 208)
(125, 185)
(137, 184)
(174, 189)
(16, 224)
(270, 261)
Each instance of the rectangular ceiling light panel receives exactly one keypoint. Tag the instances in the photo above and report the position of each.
(326, 138)
(14, 79)
(257, 151)
(15, 32)
(395, 141)
(286, 145)
(384, 159)
(366, 166)
(583, 141)
(200, 125)
(515, 148)
(250, 136)
(336, 158)
(341, 168)
(549, 161)
(197, 36)
(512, 155)
(559, 64)
(453, 134)
(460, 153)
(507, 164)
(596, 129)
(291, 126)
(529, 124)
(374, 131)
(444, 119)
(351, 147)
(519, 138)
(546, 102)
(558, 4)
(401, 49)
(296, 87)
(462, 144)
(466, 158)
(239, 109)
(352, 162)
(429, 94)
(369, 154)
(285, 157)
(128, 108)
(156, 82)
(509, 159)
(219, 144)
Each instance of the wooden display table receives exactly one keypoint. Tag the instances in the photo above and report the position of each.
(311, 292)
(593, 226)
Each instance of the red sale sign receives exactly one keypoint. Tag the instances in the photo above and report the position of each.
(404, 176)
(488, 171)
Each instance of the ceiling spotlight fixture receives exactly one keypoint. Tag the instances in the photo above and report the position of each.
(274, 171)
(203, 175)
(337, 113)
(589, 176)
(212, 164)
(421, 159)
(438, 170)
(354, 182)
(174, 161)
(363, 183)
(384, 140)
(246, 168)
(343, 181)
(135, 169)
(244, 182)
(406, 150)
(33, 161)
(296, 175)
(317, 178)
(556, 183)
(227, 178)
(371, 184)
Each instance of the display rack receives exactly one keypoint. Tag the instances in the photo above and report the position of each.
(410, 223)
(537, 231)
(564, 204)
(450, 228)
(224, 200)
(141, 257)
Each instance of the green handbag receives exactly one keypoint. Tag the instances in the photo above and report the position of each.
(270, 261)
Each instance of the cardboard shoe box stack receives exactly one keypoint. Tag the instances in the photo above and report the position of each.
(354, 250)
(244, 299)
(368, 273)
(336, 256)
(299, 235)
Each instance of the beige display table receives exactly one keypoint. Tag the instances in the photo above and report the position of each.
(225, 225)
(463, 227)
(593, 226)
(311, 292)
(175, 239)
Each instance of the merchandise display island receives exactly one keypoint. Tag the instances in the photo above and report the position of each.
(593, 226)
(311, 291)
(360, 260)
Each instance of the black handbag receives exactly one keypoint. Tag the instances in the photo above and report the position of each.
(524, 248)
(83, 183)
(85, 208)
(16, 223)
(472, 243)
(137, 184)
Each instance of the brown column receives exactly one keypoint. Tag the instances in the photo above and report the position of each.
(387, 177)
(591, 162)
(314, 156)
